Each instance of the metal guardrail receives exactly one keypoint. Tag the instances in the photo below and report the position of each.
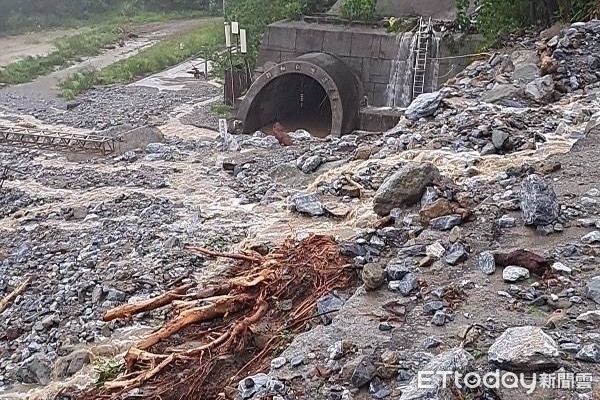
(54, 140)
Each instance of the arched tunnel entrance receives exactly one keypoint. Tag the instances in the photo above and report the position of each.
(316, 92)
(295, 101)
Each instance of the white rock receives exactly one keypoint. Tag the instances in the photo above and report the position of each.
(435, 250)
(561, 268)
(590, 317)
(514, 274)
(592, 237)
(524, 348)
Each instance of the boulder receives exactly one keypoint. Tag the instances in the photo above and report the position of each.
(35, 369)
(525, 73)
(540, 89)
(593, 289)
(307, 203)
(515, 274)
(70, 364)
(259, 385)
(423, 105)
(397, 268)
(373, 276)
(591, 318)
(487, 263)
(591, 238)
(438, 208)
(526, 69)
(405, 187)
(456, 254)
(406, 285)
(589, 353)
(363, 372)
(454, 360)
(327, 305)
(524, 348)
(445, 223)
(500, 139)
(539, 203)
(311, 164)
(501, 92)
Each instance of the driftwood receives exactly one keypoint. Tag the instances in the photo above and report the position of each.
(533, 262)
(231, 326)
(128, 310)
(8, 299)
(208, 252)
(222, 306)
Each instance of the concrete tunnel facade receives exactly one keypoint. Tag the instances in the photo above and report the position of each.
(317, 88)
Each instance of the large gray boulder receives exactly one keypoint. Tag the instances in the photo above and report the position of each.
(501, 92)
(307, 203)
(36, 370)
(540, 89)
(453, 360)
(538, 201)
(423, 105)
(525, 66)
(524, 348)
(405, 187)
(593, 290)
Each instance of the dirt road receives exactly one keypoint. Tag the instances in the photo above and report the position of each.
(147, 35)
(18, 47)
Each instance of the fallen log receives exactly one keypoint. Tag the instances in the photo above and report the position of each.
(533, 262)
(232, 324)
(224, 305)
(8, 299)
(212, 253)
(128, 310)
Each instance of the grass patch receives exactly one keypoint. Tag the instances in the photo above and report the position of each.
(67, 51)
(221, 109)
(107, 30)
(107, 369)
(20, 23)
(154, 59)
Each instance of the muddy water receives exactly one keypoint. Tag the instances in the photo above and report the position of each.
(176, 78)
(203, 185)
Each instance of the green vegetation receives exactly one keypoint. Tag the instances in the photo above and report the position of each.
(67, 51)
(19, 16)
(222, 110)
(255, 15)
(359, 10)
(107, 369)
(154, 59)
(496, 18)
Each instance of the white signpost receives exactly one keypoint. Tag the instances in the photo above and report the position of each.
(223, 128)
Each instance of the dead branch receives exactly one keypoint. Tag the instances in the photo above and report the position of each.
(233, 324)
(222, 306)
(128, 310)
(141, 378)
(7, 300)
(212, 253)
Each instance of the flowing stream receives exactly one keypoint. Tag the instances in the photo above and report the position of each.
(399, 88)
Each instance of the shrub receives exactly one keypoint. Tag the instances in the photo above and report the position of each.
(359, 10)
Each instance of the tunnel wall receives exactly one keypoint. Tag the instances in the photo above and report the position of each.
(341, 85)
(369, 52)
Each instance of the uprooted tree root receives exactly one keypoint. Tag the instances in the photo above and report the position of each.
(221, 332)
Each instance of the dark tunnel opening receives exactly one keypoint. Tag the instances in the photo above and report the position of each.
(294, 100)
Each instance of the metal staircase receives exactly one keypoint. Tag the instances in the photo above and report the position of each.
(421, 52)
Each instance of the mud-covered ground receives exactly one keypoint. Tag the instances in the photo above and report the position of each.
(101, 232)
